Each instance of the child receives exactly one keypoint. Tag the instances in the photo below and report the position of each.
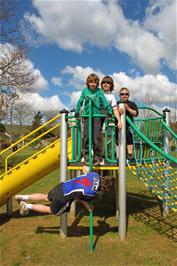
(107, 85)
(82, 188)
(96, 95)
(131, 111)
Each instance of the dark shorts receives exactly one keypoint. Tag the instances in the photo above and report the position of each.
(59, 203)
(129, 136)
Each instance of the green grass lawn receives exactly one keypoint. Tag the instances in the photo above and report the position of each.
(35, 239)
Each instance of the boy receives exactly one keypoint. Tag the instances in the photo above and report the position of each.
(96, 95)
(83, 188)
(131, 111)
(107, 85)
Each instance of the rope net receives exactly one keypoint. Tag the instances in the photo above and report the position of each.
(155, 167)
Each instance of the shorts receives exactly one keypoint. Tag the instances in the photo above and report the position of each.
(59, 204)
(129, 136)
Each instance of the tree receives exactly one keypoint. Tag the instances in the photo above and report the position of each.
(37, 122)
(22, 114)
(16, 71)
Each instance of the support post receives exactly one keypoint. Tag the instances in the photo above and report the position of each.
(63, 166)
(73, 205)
(9, 207)
(122, 176)
(166, 113)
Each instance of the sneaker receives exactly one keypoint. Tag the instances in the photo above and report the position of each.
(23, 210)
(96, 160)
(18, 198)
(86, 160)
(102, 161)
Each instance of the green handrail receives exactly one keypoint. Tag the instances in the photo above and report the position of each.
(151, 109)
(169, 129)
(150, 143)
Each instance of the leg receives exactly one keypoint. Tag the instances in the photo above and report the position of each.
(130, 149)
(129, 139)
(26, 207)
(86, 133)
(38, 197)
(96, 136)
(41, 208)
(33, 197)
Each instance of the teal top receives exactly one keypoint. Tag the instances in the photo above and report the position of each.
(97, 97)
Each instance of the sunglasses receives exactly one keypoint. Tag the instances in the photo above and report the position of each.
(124, 94)
(108, 82)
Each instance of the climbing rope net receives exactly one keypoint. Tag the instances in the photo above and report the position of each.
(154, 166)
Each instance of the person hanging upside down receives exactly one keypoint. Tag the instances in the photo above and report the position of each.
(83, 188)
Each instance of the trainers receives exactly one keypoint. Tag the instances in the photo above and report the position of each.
(23, 210)
(96, 160)
(86, 160)
(18, 198)
(102, 161)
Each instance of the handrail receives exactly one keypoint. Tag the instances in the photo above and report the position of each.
(26, 160)
(29, 141)
(156, 148)
(169, 129)
(26, 145)
(150, 108)
(31, 133)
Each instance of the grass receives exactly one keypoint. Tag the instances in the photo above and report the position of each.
(35, 240)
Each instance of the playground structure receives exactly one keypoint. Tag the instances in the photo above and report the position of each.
(153, 163)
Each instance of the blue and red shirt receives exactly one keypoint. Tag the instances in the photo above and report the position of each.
(83, 187)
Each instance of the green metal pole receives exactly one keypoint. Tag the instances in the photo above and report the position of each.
(90, 135)
(91, 227)
(90, 168)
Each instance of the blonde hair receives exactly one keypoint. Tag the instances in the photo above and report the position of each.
(124, 88)
(92, 77)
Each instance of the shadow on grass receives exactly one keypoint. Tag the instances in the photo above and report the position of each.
(146, 208)
(4, 217)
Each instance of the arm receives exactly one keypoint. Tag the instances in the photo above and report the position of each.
(86, 205)
(117, 115)
(133, 110)
(80, 102)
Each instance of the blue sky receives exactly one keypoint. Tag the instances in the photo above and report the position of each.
(134, 41)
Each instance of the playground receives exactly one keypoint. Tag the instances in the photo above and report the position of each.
(137, 227)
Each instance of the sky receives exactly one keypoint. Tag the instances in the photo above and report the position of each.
(133, 41)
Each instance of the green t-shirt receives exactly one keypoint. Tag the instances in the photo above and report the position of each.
(97, 97)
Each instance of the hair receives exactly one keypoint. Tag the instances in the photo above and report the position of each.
(110, 80)
(107, 183)
(122, 89)
(92, 77)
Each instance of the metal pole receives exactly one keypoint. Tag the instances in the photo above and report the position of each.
(166, 149)
(63, 166)
(73, 205)
(122, 176)
(9, 207)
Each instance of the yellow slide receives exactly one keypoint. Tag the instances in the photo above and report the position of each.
(29, 171)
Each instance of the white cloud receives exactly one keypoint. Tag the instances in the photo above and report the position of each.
(39, 103)
(56, 81)
(161, 19)
(103, 24)
(79, 75)
(158, 87)
(41, 83)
